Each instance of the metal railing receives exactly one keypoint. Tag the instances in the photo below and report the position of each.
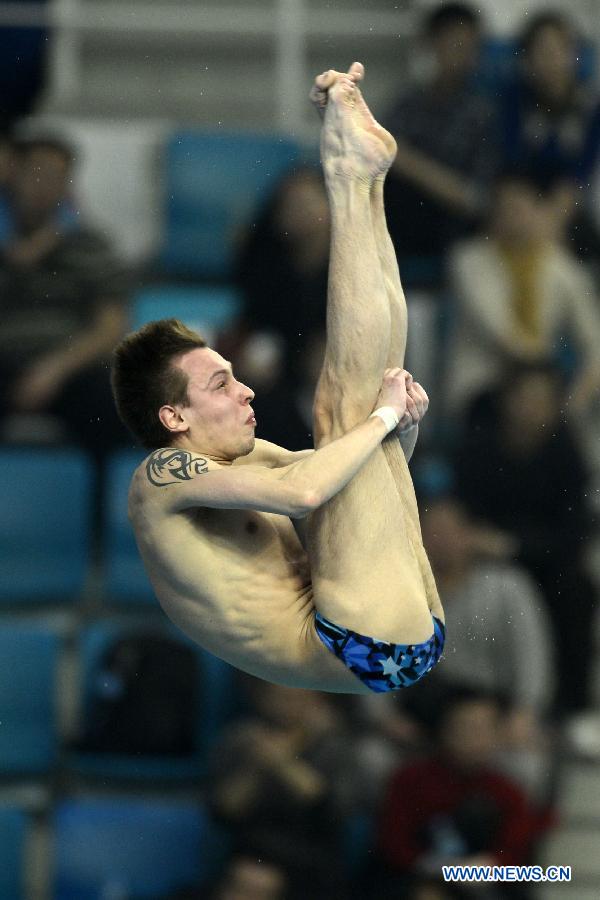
(288, 24)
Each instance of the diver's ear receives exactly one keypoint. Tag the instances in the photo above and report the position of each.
(173, 420)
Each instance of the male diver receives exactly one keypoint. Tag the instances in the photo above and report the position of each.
(308, 568)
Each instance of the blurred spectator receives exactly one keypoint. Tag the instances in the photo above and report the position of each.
(251, 879)
(283, 406)
(385, 732)
(499, 635)
(6, 163)
(282, 266)
(282, 782)
(498, 628)
(520, 471)
(453, 807)
(499, 640)
(448, 143)
(245, 878)
(63, 303)
(519, 297)
(551, 121)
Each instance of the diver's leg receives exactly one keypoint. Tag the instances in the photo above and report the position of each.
(397, 348)
(366, 573)
(391, 446)
(358, 311)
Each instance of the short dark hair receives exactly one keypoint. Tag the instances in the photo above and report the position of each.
(548, 19)
(448, 15)
(143, 377)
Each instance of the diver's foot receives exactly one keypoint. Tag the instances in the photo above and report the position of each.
(348, 147)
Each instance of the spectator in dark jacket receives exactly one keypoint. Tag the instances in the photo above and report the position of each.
(520, 470)
(63, 301)
(282, 781)
(448, 142)
(282, 266)
(551, 123)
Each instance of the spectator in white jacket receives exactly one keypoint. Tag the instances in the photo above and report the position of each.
(519, 296)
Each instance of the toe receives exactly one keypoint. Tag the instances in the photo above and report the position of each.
(327, 79)
(357, 71)
(343, 87)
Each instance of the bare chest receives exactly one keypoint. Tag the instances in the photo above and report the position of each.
(220, 573)
(248, 535)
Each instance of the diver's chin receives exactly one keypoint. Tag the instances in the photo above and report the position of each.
(244, 449)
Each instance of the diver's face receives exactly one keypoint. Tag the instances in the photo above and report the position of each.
(219, 420)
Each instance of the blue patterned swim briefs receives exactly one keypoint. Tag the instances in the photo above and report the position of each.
(378, 664)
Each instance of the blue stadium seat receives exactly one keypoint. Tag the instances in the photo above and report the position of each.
(208, 310)
(127, 846)
(358, 837)
(13, 834)
(126, 581)
(28, 736)
(216, 703)
(44, 524)
(434, 476)
(214, 182)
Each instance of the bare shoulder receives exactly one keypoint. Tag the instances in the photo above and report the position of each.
(163, 468)
(271, 456)
(173, 480)
(171, 465)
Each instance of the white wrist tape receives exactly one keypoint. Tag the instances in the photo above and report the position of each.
(389, 416)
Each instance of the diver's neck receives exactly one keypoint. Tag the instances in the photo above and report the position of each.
(207, 454)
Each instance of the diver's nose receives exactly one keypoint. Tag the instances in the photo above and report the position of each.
(248, 394)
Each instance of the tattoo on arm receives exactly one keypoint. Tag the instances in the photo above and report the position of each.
(170, 466)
